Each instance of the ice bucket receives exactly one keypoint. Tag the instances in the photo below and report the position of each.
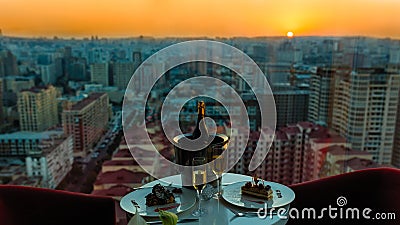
(184, 157)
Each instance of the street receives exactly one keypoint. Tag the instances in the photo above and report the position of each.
(85, 170)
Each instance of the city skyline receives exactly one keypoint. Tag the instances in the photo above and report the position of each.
(308, 77)
(176, 18)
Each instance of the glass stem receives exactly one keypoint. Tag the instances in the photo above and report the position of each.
(218, 187)
(198, 195)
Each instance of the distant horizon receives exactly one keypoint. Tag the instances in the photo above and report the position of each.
(55, 37)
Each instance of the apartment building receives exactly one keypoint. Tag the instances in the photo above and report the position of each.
(37, 108)
(87, 121)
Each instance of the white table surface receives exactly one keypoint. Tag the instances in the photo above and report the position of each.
(218, 212)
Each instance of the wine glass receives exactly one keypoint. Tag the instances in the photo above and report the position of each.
(218, 166)
(199, 181)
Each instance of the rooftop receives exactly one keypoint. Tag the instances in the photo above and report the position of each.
(123, 153)
(86, 101)
(27, 181)
(12, 170)
(279, 135)
(306, 125)
(321, 134)
(331, 139)
(31, 135)
(114, 191)
(341, 150)
(122, 176)
(358, 164)
(36, 89)
(48, 145)
(290, 130)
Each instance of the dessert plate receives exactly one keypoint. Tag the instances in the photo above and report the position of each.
(183, 202)
(282, 195)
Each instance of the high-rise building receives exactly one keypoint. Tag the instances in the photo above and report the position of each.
(262, 53)
(44, 59)
(67, 52)
(288, 52)
(37, 108)
(48, 73)
(97, 54)
(394, 55)
(2, 73)
(278, 73)
(396, 145)
(321, 95)
(122, 72)
(76, 69)
(365, 111)
(86, 121)
(58, 66)
(9, 66)
(99, 73)
(1, 103)
(300, 76)
(291, 105)
(136, 58)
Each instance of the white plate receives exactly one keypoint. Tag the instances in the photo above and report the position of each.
(182, 203)
(282, 195)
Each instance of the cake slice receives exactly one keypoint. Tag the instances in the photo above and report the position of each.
(159, 196)
(257, 189)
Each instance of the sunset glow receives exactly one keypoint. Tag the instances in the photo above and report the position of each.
(119, 18)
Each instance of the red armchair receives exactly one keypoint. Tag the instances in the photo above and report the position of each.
(377, 189)
(36, 206)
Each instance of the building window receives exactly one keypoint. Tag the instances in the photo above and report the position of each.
(252, 110)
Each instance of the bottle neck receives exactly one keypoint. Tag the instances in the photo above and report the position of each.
(200, 112)
(200, 115)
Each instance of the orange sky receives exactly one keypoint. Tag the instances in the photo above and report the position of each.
(121, 18)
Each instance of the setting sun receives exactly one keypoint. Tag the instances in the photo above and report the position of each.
(120, 18)
(289, 34)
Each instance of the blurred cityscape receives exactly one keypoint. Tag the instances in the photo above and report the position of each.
(337, 104)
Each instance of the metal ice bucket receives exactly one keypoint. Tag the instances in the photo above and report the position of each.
(184, 157)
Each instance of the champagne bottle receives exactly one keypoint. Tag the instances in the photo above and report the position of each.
(200, 126)
(201, 135)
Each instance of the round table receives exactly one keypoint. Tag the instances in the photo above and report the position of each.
(218, 211)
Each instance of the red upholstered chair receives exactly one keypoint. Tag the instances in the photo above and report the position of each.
(36, 206)
(377, 189)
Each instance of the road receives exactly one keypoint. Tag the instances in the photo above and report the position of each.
(88, 164)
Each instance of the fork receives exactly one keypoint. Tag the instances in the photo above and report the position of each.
(248, 214)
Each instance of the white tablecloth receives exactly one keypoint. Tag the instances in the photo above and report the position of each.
(218, 212)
